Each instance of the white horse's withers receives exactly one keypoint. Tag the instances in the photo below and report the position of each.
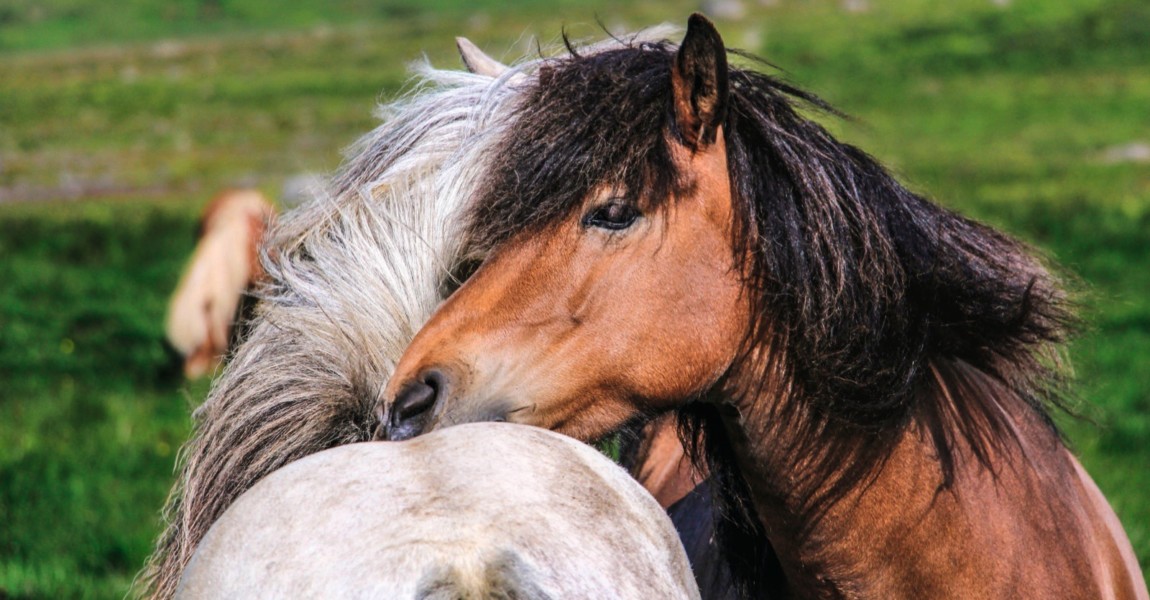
(488, 510)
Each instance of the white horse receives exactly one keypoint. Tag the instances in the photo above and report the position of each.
(487, 510)
(350, 277)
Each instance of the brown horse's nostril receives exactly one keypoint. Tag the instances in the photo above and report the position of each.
(412, 407)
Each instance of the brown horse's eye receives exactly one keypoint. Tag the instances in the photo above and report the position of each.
(613, 215)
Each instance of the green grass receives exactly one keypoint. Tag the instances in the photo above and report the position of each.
(30, 25)
(92, 413)
(136, 112)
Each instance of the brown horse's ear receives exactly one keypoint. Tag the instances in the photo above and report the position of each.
(699, 80)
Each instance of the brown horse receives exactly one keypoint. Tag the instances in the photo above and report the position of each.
(868, 374)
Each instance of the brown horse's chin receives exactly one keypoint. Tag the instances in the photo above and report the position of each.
(410, 415)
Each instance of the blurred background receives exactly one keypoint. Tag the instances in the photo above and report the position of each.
(119, 120)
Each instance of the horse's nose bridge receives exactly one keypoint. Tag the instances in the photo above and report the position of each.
(447, 350)
(426, 377)
(460, 328)
(429, 348)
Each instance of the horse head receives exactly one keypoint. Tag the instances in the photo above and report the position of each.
(628, 297)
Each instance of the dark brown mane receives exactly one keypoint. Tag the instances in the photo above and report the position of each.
(878, 307)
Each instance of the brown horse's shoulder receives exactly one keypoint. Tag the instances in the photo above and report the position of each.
(1037, 527)
(1112, 556)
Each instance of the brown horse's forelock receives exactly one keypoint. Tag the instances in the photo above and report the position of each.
(877, 306)
(592, 120)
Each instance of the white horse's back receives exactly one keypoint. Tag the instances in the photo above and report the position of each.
(486, 510)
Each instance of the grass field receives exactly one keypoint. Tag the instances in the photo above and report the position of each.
(118, 120)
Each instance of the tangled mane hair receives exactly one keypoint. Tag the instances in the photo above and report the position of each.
(351, 276)
(873, 308)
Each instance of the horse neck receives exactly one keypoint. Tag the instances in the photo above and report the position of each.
(899, 530)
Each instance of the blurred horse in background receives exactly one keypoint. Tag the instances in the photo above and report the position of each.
(224, 266)
(350, 277)
(487, 510)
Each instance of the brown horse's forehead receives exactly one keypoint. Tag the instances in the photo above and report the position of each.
(596, 121)
(695, 171)
(610, 191)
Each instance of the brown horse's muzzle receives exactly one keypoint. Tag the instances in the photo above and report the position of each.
(411, 412)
